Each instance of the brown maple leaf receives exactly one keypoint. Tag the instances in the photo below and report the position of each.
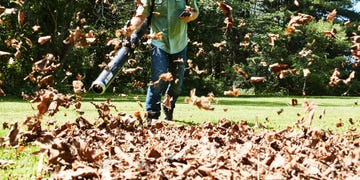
(331, 16)
(257, 79)
(42, 40)
(234, 92)
(227, 10)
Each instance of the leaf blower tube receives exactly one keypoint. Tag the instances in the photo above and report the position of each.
(106, 77)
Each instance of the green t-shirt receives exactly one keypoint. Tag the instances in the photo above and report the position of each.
(165, 19)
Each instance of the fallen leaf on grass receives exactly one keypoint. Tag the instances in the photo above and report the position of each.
(4, 163)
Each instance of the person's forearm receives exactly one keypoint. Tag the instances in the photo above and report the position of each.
(136, 22)
(195, 15)
(195, 11)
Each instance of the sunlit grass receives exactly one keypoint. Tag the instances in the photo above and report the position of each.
(251, 109)
(263, 110)
(25, 163)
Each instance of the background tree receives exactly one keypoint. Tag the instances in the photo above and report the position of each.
(224, 52)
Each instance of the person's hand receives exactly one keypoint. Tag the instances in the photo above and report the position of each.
(132, 25)
(127, 31)
(189, 14)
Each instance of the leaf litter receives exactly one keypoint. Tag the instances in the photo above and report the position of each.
(122, 146)
(119, 146)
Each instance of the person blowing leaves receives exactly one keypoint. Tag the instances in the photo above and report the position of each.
(168, 54)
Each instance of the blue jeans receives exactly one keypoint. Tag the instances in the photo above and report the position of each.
(163, 62)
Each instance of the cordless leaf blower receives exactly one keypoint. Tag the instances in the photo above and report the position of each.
(106, 77)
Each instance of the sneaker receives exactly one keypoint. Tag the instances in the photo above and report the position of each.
(152, 115)
(168, 114)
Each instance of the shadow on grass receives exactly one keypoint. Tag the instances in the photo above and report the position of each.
(250, 103)
(192, 123)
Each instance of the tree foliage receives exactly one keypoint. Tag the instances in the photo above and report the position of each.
(221, 58)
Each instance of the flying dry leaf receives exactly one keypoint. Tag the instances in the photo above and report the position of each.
(339, 123)
(28, 42)
(348, 80)
(331, 34)
(190, 63)
(309, 107)
(257, 79)
(272, 38)
(46, 81)
(4, 163)
(285, 72)
(347, 23)
(244, 45)
(227, 10)
(296, 3)
(219, 44)
(137, 84)
(294, 102)
(167, 102)
(351, 121)
(155, 36)
(166, 76)
(2, 93)
(306, 72)
(45, 65)
(276, 68)
(198, 71)
(247, 37)
(201, 102)
(3, 53)
(21, 17)
(2, 9)
(331, 16)
(11, 60)
(198, 44)
(137, 115)
(13, 134)
(305, 52)
(42, 40)
(335, 78)
(131, 70)
(200, 52)
(289, 30)
(241, 72)
(299, 20)
(35, 28)
(132, 62)
(140, 104)
(234, 92)
(264, 63)
(80, 39)
(78, 86)
(7, 11)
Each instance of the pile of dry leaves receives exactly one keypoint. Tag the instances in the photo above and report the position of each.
(120, 146)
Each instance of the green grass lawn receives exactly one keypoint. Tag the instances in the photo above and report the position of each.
(249, 108)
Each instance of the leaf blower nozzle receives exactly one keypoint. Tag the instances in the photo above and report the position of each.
(98, 87)
(105, 78)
